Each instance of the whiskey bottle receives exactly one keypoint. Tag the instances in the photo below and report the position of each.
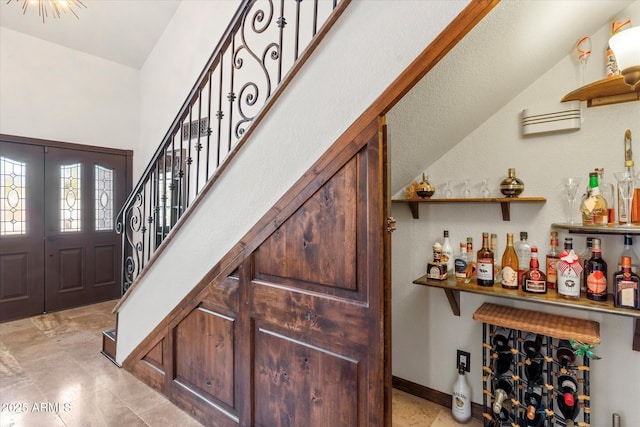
(534, 280)
(594, 207)
(569, 272)
(523, 250)
(626, 286)
(552, 258)
(460, 264)
(485, 263)
(510, 265)
(596, 272)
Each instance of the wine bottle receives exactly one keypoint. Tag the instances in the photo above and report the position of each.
(447, 253)
(485, 263)
(510, 265)
(626, 286)
(565, 355)
(569, 272)
(567, 398)
(501, 338)
(534, 368)
(532, 344)
(534, 280)
(594, 207)
(503, 388)
(533, 401)
(523, 250)
(552, 258)
(596, 274)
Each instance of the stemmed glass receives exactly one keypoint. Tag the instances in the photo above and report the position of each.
(571, 188)
(447, 190)
(467, 191)
(486, 193)
(583, 48)
(625, 184)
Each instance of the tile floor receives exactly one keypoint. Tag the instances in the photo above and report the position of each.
(52, 374)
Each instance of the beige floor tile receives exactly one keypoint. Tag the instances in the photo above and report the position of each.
(444, 419)
(165, 414)
(33, 416)
(99, 409)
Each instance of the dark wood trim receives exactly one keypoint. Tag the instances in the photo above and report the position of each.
(61, 144)
(432, 395)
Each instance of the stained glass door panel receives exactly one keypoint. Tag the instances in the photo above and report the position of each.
(21, 230)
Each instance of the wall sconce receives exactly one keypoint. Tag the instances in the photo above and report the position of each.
(626, 47)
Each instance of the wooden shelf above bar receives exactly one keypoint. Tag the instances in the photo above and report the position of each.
(452, 290)
(611, 90)
(505, 203)
(553, 325)
(597, 229)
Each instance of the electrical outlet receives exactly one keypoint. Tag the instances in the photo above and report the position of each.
(464, 357)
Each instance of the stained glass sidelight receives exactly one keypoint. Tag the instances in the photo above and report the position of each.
(70, 201)
(104, 198)
(13, 214)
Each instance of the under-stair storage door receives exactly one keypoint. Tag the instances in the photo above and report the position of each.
(21, 230)
(84, 191)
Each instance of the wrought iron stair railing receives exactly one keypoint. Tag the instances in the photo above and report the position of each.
(260, 46)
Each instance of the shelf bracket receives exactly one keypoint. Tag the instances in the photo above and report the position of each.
(636, 336)
(415, 209)
(454, 300)
(506, 211)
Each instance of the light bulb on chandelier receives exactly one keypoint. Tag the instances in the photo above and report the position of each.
(50, 8)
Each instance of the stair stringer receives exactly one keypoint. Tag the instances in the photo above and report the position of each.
(219, 290)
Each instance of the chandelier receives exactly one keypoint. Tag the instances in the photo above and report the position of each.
(51, 8)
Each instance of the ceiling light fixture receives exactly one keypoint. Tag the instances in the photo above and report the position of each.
(53, 8)
(626, 48)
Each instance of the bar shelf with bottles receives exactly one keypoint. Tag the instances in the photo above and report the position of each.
(536, 367)
(597, 229)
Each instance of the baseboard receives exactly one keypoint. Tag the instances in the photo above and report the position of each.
(432, 395)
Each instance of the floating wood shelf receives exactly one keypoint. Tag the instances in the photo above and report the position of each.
(452, 290)
(612, 90)
(597, 229)
(505, 203)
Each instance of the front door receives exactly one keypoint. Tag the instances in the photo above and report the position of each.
(59, 248)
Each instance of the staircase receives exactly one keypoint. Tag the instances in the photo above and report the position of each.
(260, 300)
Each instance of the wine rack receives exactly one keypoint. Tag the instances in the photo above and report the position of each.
(529, 362)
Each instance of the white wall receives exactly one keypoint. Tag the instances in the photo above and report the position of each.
(425, 332)
(52, 92)
(368, 48)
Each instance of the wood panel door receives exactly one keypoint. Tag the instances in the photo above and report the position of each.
(58, 245)
(21, 230)
(296, 335)
(83, 192)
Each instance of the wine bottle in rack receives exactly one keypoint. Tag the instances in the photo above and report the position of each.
(502, 390)
(534, 363)
(567, 398)
(532, 344)
(534, 415)
(501, 338)
(565, 355)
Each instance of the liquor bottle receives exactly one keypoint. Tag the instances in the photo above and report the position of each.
(629, 252)
(584, 258)
(447, 252)
(503, 388)
(493, 245)
(534, 280)
(523, 250)
(461, 402)
(569, 272)
(567, 398)
(596, 272)
(485, 263)
(608, 192)
(565, 355)
(470, 266)
(460, 264)
(552, 258)
(510, 265)
(623, 215)
(626, 286)
(594, 207)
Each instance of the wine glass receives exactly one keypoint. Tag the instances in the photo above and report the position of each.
(447, 190)
(625, 185)
(486, 193)
(467, 191)
(571, 188)
(583, 48)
